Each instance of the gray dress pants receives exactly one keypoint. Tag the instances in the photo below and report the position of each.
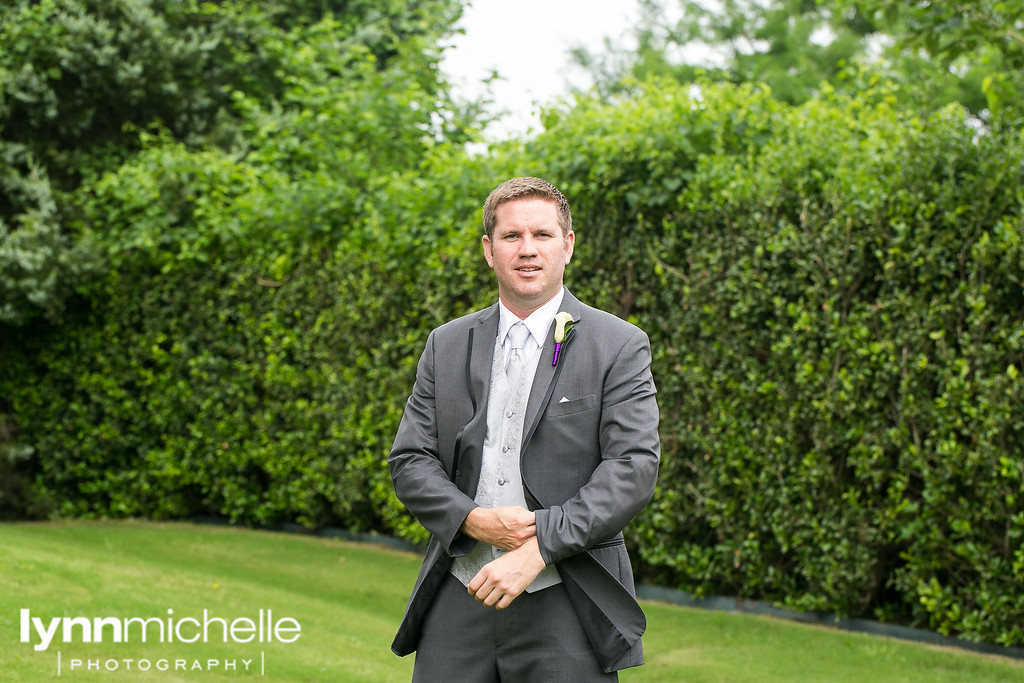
(537, 639)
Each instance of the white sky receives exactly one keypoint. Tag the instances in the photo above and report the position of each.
(527, 43)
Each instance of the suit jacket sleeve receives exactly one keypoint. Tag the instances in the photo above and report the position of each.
(623, 481)
(419, 476)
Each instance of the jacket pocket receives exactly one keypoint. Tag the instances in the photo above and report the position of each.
(611, 543)
(574, 406)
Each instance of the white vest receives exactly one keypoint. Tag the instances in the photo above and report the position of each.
(501, 481)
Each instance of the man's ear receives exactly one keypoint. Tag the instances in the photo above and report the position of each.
(488, 256)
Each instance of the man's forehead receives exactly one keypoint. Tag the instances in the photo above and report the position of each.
(526, 211)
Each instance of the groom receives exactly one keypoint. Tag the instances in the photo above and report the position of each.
(530, 440)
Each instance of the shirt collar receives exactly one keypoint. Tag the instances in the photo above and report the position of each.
(538, 322)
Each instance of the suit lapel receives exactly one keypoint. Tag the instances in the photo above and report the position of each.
(544, 379)
(480, 354)
(484, 333)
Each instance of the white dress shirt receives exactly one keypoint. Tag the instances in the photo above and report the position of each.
(538, 322)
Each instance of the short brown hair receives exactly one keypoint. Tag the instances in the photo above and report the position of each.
(523, 188)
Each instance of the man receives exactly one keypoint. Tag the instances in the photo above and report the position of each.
(525, 456)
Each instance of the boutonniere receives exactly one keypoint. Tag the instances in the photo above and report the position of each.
(563, 332)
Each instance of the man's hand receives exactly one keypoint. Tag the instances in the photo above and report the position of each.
(503, 580)
(503, 527)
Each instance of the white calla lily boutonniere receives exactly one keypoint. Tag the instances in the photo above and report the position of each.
(563, 332)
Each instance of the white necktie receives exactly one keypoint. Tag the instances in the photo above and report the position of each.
(518, 334)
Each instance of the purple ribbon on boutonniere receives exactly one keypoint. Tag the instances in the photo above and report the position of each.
(563, 333)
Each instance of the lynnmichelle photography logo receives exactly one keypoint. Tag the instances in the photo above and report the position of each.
(47, 634)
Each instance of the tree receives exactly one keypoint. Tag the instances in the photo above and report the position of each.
(80, 79)
(982, 42)
(793, 45)
(798, 47)
(39, 263)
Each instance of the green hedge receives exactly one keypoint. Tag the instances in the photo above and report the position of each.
(833, 294)
(835, 300)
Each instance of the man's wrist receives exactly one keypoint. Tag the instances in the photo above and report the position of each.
(541, 518)
(470, 524)
(531, 550)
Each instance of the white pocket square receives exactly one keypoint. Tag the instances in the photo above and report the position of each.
(563, 400)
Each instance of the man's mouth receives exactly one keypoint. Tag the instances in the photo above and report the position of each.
(528, 269)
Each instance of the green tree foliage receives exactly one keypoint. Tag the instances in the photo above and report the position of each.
(39, 262)
(792, 45)
(80, 78)
(954, 29)
(80, 74)
(982, 41)
(800, 47)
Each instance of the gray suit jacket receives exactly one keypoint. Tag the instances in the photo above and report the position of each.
(589, 463)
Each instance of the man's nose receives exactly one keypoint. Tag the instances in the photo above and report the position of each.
(527, 246)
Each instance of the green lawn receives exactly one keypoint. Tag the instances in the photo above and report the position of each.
(348, 598)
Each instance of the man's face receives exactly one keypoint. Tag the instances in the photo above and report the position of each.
(528, 253)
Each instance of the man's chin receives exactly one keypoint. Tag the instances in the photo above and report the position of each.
(533, 297)
(529, 294)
